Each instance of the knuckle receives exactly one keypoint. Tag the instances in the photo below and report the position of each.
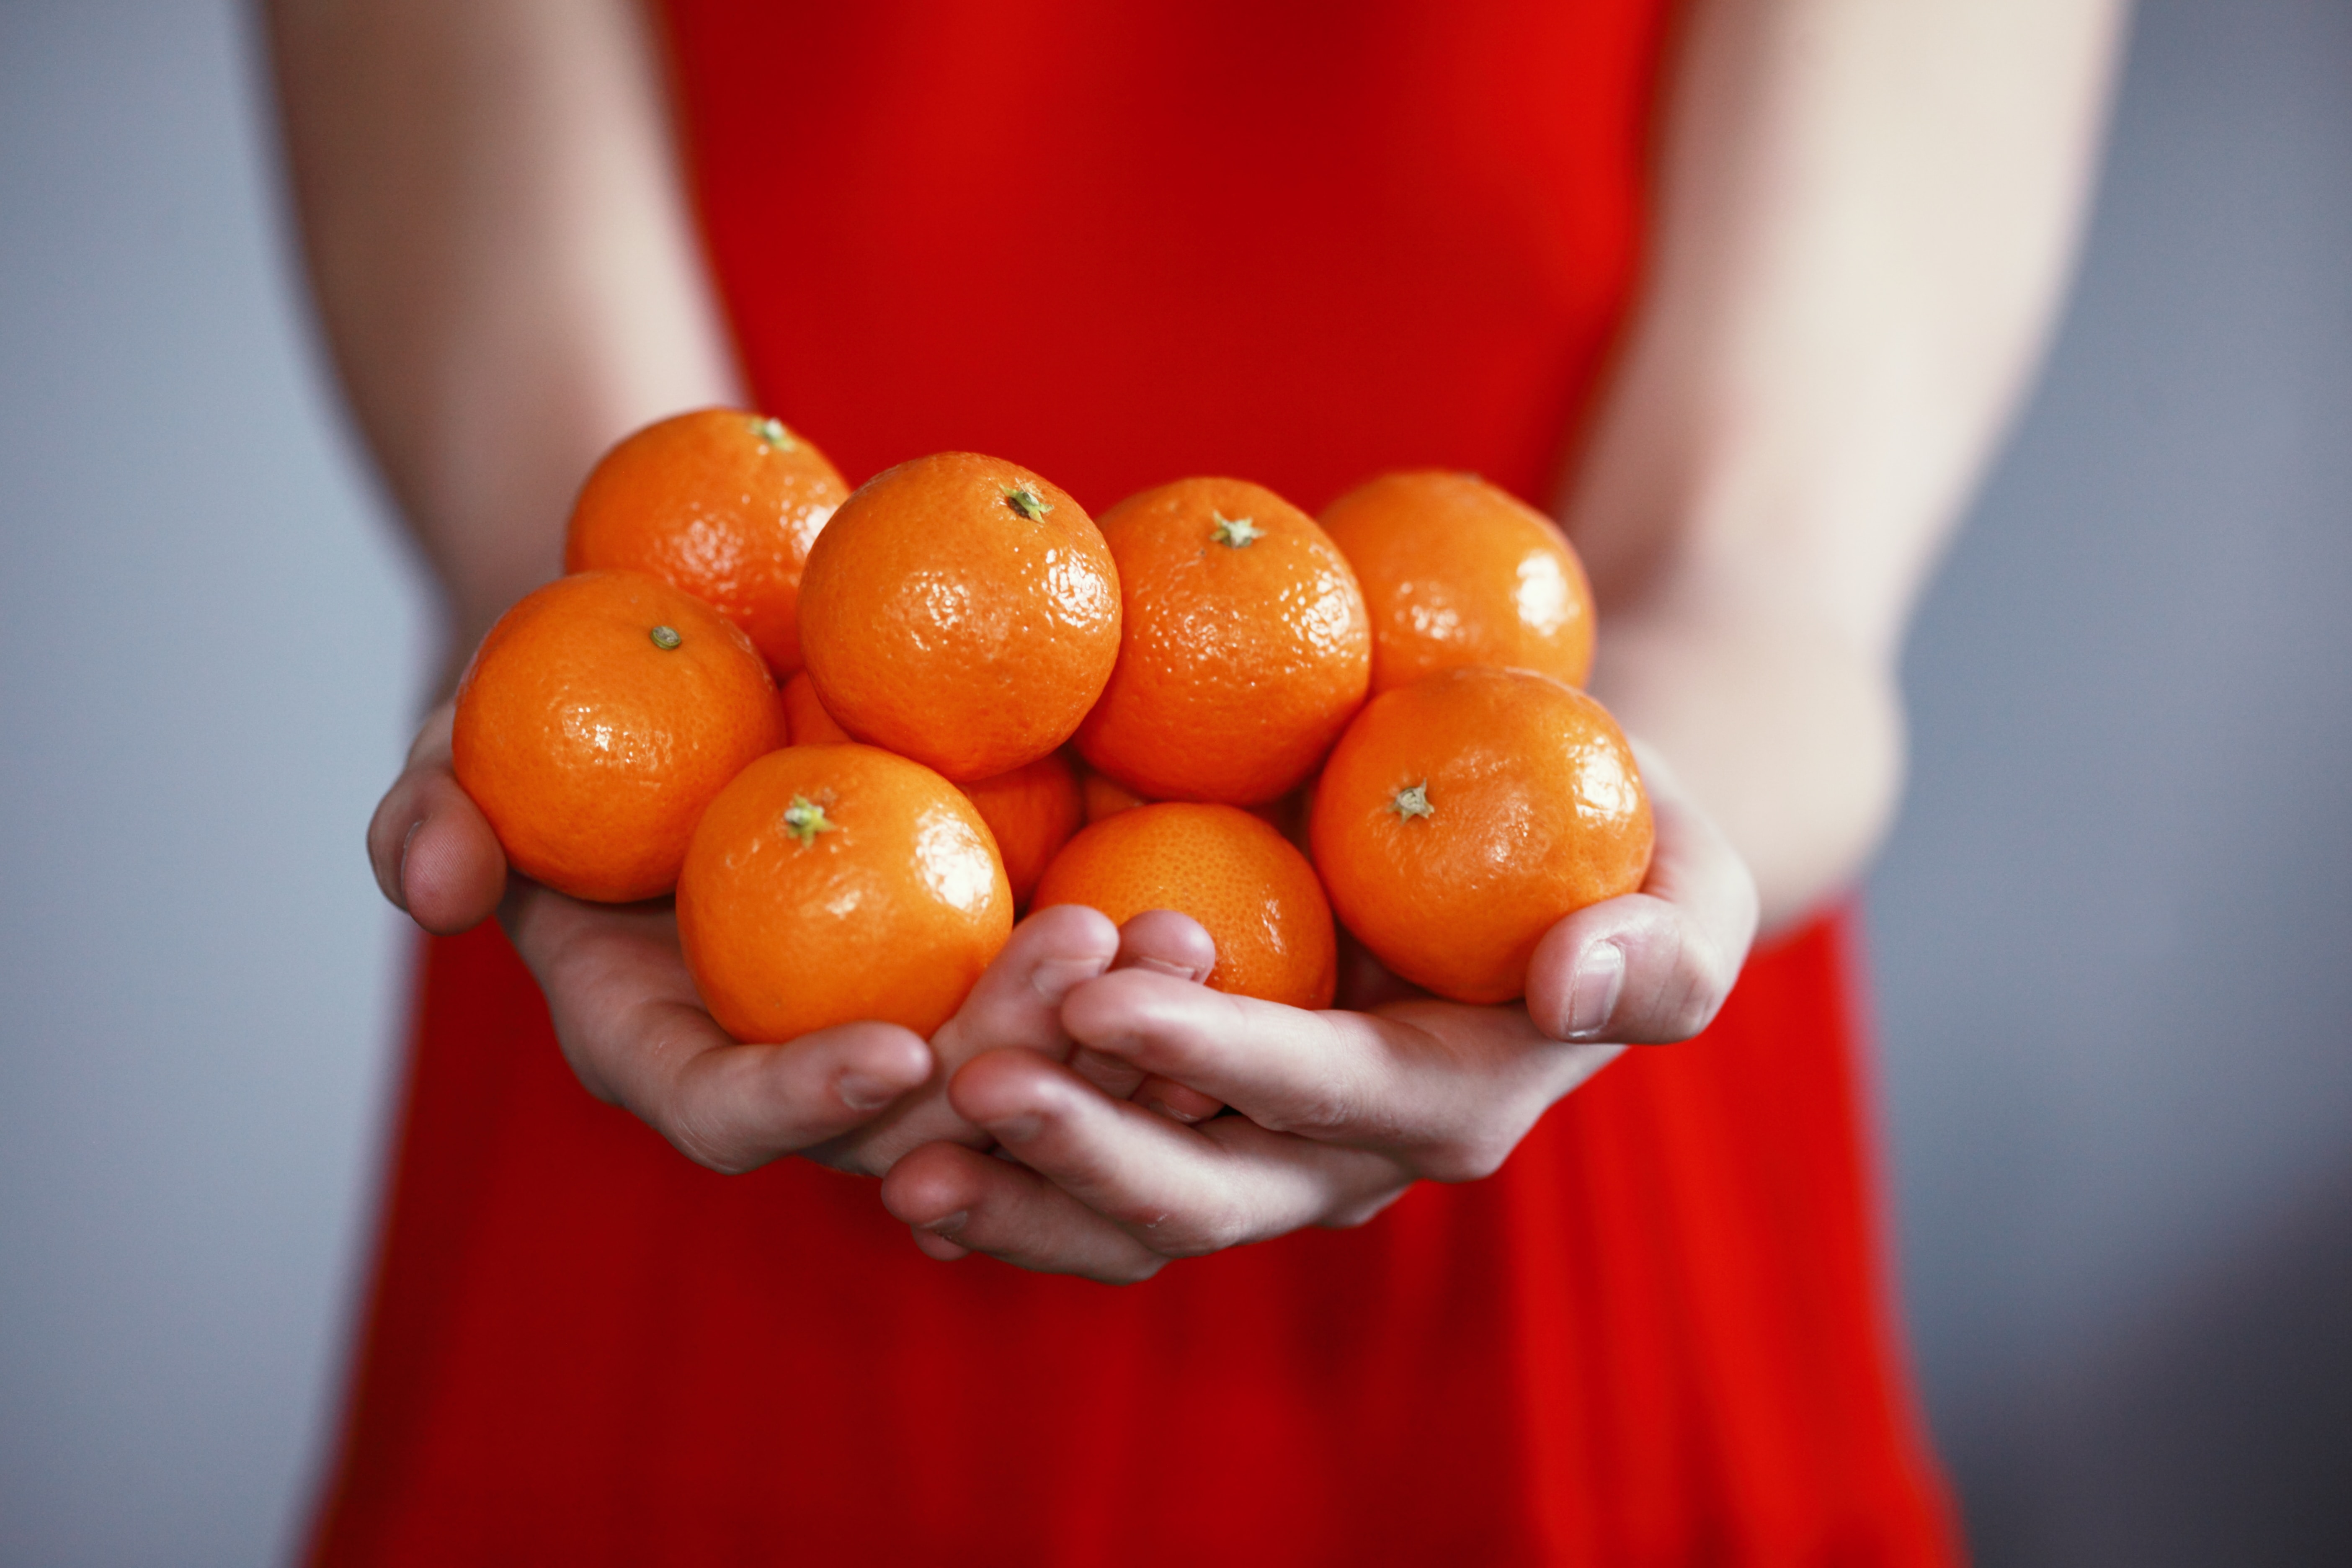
(1702, 979)
(702, 1133)
(1212, 1230)
(1472, 1157)
(1337, 1103)
(1131, 1271)
(1460, 1163)
(1350, 1217)
(1317, 1115)
(705, 1148)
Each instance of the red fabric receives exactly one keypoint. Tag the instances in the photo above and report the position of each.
(1301, 243)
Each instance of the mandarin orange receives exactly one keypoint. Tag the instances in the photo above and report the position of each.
(1456, 571)
(1031, 811)
(598, 717)
(833, 883)
(1244, 650)
(1256, 895)
(1106, 797)
(961, 611)
(1460, 816)
(721, 502)
(811, 724)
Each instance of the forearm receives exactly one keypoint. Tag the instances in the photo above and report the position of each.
(503, 262)
(1865, 217)
(1791, 739)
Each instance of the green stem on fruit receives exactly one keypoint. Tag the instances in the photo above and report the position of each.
(1413, 802)
(1024, 499)
(1236, 531)
(773, 432)
(804, 819)
(665, 638)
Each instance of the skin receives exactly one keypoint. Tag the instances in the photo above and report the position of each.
(1865, 215)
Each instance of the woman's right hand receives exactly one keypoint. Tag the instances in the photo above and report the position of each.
(625, 1012)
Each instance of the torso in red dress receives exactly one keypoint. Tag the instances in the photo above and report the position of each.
(1122, 243)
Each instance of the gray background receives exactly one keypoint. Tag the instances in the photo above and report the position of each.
(2111, 929)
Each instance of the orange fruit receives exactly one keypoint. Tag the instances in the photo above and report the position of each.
(1256, 895)
(1031, 811)
(833, 883)
(1455, 571)
(720, 502)
(1460, 816)
(1106, 797)
(961, 611)
(811, 724)
(598, 717)
(1244, 650)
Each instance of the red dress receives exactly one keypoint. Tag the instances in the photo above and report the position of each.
(1121, 244)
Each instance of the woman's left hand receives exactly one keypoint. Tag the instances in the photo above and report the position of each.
(1340, 1111)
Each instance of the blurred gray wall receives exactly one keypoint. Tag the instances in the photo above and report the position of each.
(208, 652)
(2115, 926)
(2112, 929)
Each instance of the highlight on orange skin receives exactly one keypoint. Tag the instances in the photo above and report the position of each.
(960, 610)
(1460, 817)
(1456, 571)
(722, 502)
(599, 717)
(827, 884)
(1245, 648)
(1256, 895)
(1032, 810)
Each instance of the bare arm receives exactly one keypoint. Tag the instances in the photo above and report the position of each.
(1867, 212)
(501, 256)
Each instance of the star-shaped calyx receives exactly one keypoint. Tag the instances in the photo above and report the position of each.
(804, 819)
(1236, 531)
(1024, 499)
(1413, 802)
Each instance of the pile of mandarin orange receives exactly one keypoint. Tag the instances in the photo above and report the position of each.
(1206, 701)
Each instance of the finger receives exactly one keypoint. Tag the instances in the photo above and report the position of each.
(1365, 983)
(630, 1024)
(1017, 1003)
(1451, 1087)
(1175, 1189)
(433, 851)
(957, 1201)
(1165, 942)
(1656, 965)
(1171, 1098)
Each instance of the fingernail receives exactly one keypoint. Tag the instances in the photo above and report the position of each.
(1016, 1129)
(1592, 993)
(1181, 971)
(1053, 978)
(949, 1224)
(399, 872)
(860, 1092)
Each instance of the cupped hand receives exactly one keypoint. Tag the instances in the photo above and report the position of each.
(633, 1030)
(1340, 1111)
(636, 1033)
